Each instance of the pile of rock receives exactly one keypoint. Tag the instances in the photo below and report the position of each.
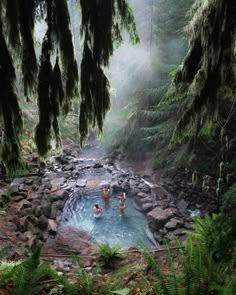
(36, 202)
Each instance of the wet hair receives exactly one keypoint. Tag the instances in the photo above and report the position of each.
(96, 205)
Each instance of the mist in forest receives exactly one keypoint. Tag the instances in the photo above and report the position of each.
(134, 68)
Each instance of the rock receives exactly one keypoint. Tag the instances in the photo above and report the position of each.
(38, 211)
(144, 187)
(60, 195)
(60, 204)
(52, 226)
(57, 183)
(172, 224)
(132, 183)
(54, 210)
(97, 165)
(62, 160)
(81, 182)
(162, 203)
(158, 217)
(182, 195)
(103, 183)
(17, 198)
(69, 167)
(180, 231)
(182, 204)
(31, 218)
(134, 191)
(22, 187)
(31, 227)
(141, 201)
(146, 207)
(170, 236)
(125, 186)
(115, 186)
(160, 193)
(188, 226)
(29, 181)
(31, 239)
(35, 187)
(14, 189)
(46, 208)
(67, 174)
(66, 151)
(142, 195)
(158, 237)
(43, 222)
(16, 220)
(19, 206)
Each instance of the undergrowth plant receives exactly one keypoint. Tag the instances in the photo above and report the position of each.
(108, 253)
(196, 270)
(116, 284)
(32, 277)
(86, 282)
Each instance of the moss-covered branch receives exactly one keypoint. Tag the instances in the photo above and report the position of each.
(208, 70)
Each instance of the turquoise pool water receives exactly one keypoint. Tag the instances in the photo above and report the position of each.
(111, 228)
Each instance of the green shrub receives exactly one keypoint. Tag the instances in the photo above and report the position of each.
(198, 271)
(108, 253)
(30, 276)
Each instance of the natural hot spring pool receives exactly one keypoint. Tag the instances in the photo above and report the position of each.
(111, 228)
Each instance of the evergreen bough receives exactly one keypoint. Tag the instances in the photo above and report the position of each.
(208, 70)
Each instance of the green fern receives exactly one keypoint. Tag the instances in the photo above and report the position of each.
(115, 283)
(124, 291)
(27, 276)
(163, 284)
(108, 253)
(86, 281)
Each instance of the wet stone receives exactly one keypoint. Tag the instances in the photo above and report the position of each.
(182, 204)
(172, 224)
(81, 182)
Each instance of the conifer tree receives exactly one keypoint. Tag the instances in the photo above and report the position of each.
(208, 71)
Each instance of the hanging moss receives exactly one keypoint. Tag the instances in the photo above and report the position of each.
(43, 129)
(10, 114)
(12, 16)
(69, 65)
(28, 58)
(208, 69)
(101, 27)
(57, 82)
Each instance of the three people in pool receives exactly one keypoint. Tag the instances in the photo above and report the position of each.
(98, 210)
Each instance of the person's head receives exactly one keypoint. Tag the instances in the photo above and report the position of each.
(96, 206)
